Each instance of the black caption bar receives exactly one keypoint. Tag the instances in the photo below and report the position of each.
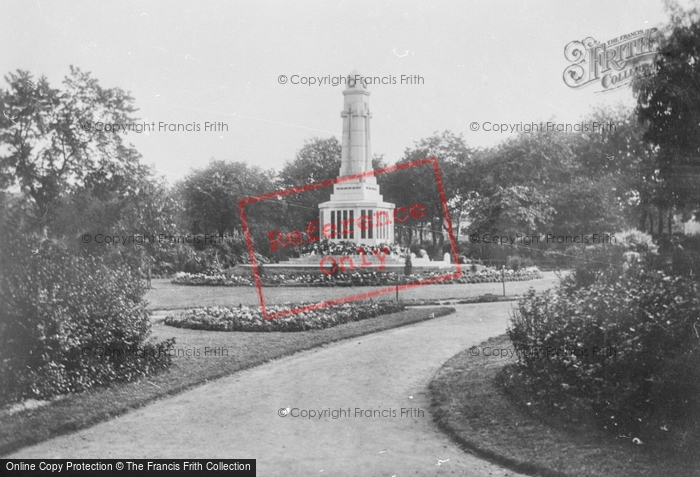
(127, 467)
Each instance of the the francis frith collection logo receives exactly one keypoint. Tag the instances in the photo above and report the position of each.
(613, 63)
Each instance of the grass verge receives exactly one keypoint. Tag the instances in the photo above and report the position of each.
(243, 350)
(469, 406)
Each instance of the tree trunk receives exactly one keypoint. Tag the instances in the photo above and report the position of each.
(661, 221)
(670, 221)
(643, 219)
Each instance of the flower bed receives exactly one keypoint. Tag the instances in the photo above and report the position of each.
(327, 247)
(246, 318)
(352, 279)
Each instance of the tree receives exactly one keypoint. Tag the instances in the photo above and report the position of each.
(318, 160)
(510, 211)
(668, 102)
(514, 210)
(536, 159)
(150, 214)
(417, 184)
(597, 179)
(586, 206)
(211, 195)
(514, 181)
(617, 156)
(50, 146)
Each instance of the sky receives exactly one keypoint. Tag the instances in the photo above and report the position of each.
(189, 63)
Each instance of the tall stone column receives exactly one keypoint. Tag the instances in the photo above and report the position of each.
(357, 198)
(357, 152)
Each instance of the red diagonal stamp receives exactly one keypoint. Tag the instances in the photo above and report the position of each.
(347, 218)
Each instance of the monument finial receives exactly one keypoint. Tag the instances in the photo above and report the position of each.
(355, 81)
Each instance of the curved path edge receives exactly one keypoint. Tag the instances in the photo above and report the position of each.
(382, 374)
(159, 315)
(438, 400)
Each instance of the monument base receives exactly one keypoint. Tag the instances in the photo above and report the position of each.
(314, 268)
(356, 212)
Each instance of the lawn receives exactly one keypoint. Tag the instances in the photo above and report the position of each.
(167, 296)
(469, 405)
(243, 349)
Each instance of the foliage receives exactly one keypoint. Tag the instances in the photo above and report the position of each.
(515, 262)
(566, 183)
(591, 262)
(418, 184)
(346, 247)
(53, 148)
(638, 240)
(621, 165)
(250, 319)
(148, 214)
(529, 159)
(317, 161)
(512, 210)
(210, 197)
(625, 346)
(59, 311)
(587, 206)
(668, 101)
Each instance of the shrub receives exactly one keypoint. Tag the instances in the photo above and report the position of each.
(591, 262)
(60, 314)
(515, 262)
(642, 241)
(626, 347)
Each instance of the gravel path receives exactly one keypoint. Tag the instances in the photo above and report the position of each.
(237, 417)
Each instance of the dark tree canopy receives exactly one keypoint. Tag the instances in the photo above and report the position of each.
(418, 185)
(49, 148)
(211, 195)
(668, 102)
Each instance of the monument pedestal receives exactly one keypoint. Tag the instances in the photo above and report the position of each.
(357, 212)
